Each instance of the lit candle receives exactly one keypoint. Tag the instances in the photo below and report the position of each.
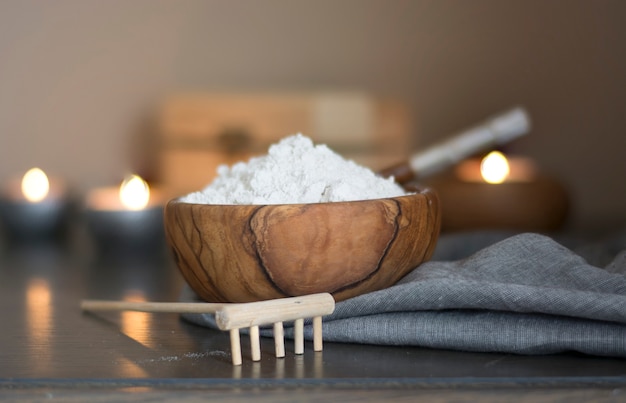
(35, 207)
(500, 192)
(496, 168)
(126, 218)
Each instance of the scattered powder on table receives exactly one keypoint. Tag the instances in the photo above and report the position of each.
(295, 171)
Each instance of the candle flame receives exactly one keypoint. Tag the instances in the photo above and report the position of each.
(35, 185)
(494, 168)
(134, 193)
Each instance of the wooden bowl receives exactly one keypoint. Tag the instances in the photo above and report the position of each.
(243, 253)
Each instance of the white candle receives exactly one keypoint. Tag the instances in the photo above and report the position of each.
(129, 216)
(34, 206)
(496, 168)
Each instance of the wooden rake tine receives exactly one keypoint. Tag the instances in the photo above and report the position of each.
(233, 317)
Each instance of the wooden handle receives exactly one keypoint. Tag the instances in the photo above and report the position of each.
(162, 307)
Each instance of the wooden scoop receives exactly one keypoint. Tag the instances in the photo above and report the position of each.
(497, 130)
(233, 317)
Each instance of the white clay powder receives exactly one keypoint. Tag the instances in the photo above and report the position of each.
(295, 171)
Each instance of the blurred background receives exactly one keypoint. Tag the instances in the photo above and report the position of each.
(89, 89)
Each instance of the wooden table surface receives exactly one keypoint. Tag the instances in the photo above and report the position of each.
(50, 350)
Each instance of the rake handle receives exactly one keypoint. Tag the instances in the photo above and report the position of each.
(231, 316)
(159, 307)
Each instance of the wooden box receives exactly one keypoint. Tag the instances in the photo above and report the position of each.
(199, 132)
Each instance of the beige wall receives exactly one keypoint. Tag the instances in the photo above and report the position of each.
(78, 78)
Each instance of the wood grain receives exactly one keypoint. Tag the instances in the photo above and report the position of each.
(234, 253)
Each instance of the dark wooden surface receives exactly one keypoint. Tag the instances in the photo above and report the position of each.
(49, 349)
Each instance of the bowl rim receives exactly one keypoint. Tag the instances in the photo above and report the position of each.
(412, 191)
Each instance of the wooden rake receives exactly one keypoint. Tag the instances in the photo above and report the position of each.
(233, 317)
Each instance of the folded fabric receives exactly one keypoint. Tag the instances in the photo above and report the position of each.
(526, 294)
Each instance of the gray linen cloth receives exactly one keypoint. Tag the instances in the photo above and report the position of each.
(525, 294)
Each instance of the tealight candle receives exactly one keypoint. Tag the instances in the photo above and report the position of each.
(125, 218)
(496, 168)
(35, 207)
(500, 192)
